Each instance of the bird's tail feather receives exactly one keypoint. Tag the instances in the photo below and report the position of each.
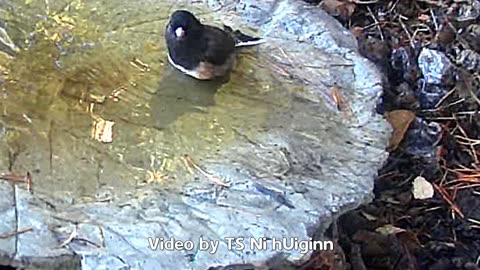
(254, 42)
(241, 39)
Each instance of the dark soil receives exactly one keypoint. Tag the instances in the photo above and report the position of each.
(397, 231)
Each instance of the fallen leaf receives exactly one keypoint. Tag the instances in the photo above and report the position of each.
(368, 216)
(102, 130)
(389, 229)
(400, 121)
(422, 189)
(337, 96)
(445, 35)
(357, 31)
(340, 8)
(410, 240)
(155, 176)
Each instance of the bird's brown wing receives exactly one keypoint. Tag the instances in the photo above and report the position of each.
(219, 45)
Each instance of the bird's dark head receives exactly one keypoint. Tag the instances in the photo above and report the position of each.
(182, 24)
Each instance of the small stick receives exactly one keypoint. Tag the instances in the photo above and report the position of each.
(72, 235)
(446, 197)
(434, 19)
(209, 176)
(445, 97)
(365, 2)
(187, 165)
(19, 179)
(406, 31)
(10, 234)
(376, 22)
(467, 186)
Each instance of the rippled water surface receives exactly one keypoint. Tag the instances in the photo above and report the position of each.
(90, 104)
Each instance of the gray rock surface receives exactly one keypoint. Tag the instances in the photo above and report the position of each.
(290, 159)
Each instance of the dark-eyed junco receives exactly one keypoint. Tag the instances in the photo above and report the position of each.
(202, 51)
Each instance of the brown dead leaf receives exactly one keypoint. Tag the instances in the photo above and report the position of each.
(337, 96)
(340, 8)
(155, 176)
(410, 240)
(400, 121)
(389, 229)
(445, 35)
(357, 31)
(321, 260)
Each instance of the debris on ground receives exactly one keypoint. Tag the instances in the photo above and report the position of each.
(426, 210)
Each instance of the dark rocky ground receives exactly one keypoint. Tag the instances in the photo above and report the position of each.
(429, 54)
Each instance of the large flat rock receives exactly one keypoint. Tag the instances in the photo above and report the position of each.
(290, 158)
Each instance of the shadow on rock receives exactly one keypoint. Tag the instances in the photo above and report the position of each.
(179, 94)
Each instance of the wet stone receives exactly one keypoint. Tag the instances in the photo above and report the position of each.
(121, 147)
(403, 62)
(422, 138)
(429, 95)
(435, 66)
(469, 11)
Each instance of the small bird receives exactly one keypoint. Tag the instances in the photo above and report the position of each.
(203, 51)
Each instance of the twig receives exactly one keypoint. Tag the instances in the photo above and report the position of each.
(439, 118)
(50, 145)
(474, 96)
(465, 186)
(393, 7)
(447, 198)
(469, 113)
(473, 221)
(445, 97)
(209, 176)
(365, 2)
(19, 179)
(434, 19)
(86, 241)
(376, 22)
(187, 165)
(72, 235)
(468, 140)
(435, 3)
(406, 31)
(444, 107)
(10, 234)
(419, 30)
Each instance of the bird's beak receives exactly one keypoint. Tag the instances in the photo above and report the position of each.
(179, 32)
